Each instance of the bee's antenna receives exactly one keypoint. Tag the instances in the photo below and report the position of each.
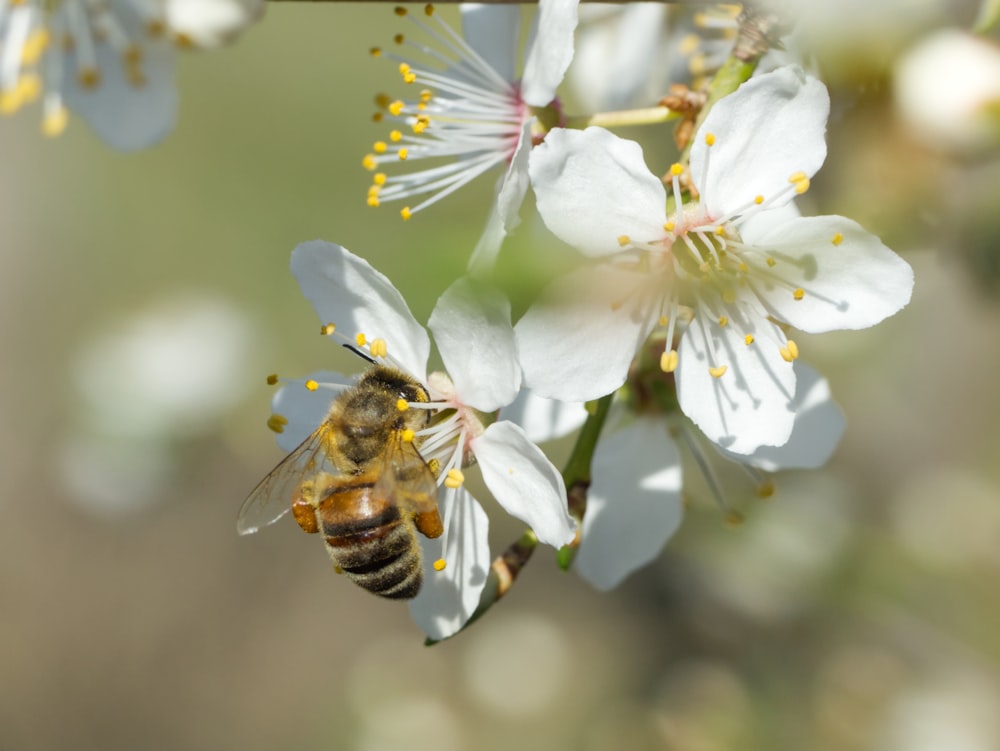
(359, 353)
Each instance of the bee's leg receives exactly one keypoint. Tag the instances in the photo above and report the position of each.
(305, 515)
(429, 523)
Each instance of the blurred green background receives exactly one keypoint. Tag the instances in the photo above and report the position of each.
(145, 297)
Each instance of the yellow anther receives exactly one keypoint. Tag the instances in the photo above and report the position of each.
(662, 321)
(402, 154)
(379, 179)
(399, 11)
(184, 41)
(312, 385)
(710, 139)
(743, 267)
(837, 239)
(689, 43)
(421, 123)
(668, 361)
(790, 352)
(748, 339)
(719, 371)
(758, 200)
(439, 564)
(369, 162)
(728, 296)
(327, 329)
(373, 201)
(380, 147)
(155, 27)
(771, 261)
(624, 240)
(395, 136)
(723, 321)
(382, 100)
(734, 519)
(454, 479)
(410, 77)
(396, 108)
(378, 117)
(272, 379)
(698, 64)
(720, 230)
(404, 68)
(669, 226)
(676, 169)
(799, 293)
(375, 52)
(703, 267)
(55, 122)
(398, 39)
(429, 11)
(378, 348)
(402, 405)
(277, 423)
(406, 213)
(374, 190)
(800, 181)
(88, 77)
(426, 95)
(765, 490)
(407, 435)
(34, 46)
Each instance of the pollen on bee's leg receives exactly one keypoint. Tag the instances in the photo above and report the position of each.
(435, 466)
(277, 423)
(407, 435)
(440, 564)
(454, 479)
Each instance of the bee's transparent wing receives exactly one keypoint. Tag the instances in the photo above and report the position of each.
(409, 481)
(272, 498)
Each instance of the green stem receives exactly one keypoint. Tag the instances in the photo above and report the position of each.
(576, 475)
(758, 33)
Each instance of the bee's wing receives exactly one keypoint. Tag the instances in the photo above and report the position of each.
(272, 498)
(409, 481)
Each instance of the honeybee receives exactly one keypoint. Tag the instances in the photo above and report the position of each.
(360, 480)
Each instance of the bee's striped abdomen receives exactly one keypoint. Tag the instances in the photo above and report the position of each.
(371, 541)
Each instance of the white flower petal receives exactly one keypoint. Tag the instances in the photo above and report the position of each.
(472, 330)
(304, 409)
(577, 340)
(211, 23)
(551, 51)
(633, 505)
(768, 129)
(447, 598)
(125, 116)
(544, 419)
(504, 216)
(758, 225)
(593, 187)
(850, 280)
(524, 482)
(493, 32)
(819, 424)
(748, 405)
(345, 290)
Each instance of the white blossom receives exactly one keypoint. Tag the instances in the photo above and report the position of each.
(471, 327)
(728, 273)
(471, 113)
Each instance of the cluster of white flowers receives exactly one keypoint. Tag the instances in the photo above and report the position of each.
(111, 62)
(677, 323)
